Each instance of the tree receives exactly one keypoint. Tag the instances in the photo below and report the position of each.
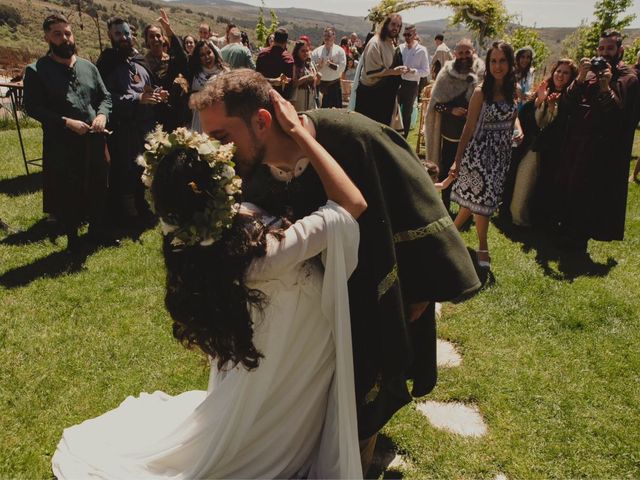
(631, 52)
(484, 18)
(262, 32)
(584, 41)
(524, 36)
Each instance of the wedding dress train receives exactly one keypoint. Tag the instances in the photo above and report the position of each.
(293, 416)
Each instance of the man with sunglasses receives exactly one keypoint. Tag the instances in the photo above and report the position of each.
(416, 59)
(66, 94)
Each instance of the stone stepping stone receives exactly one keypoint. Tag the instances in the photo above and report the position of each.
(438, 310)
(399, 463)
(447, 354)
(454, 417)
(501, 476)
(386, 462)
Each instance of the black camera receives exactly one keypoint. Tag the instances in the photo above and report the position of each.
(598, 64)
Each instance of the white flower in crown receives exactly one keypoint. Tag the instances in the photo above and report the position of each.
(206, 227)
(227, 172)
(234, 186)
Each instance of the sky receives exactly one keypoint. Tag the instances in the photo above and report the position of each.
(543, 13)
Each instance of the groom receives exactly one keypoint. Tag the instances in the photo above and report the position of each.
(410, 254)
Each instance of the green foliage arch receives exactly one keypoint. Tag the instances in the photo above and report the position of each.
(484, 18)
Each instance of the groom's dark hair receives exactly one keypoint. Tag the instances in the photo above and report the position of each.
(243, 91)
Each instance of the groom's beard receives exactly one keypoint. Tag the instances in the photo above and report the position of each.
(248, 166)
(65, 50)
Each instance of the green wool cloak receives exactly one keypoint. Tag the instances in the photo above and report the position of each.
(409, 252)
(75, 169)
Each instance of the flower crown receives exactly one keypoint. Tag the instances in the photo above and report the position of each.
(207, 226)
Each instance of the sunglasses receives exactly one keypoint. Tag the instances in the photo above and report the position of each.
(408, 34)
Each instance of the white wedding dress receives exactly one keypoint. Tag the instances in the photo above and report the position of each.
(294, 416)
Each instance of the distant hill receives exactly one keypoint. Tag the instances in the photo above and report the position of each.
(21, 20)
(298, 21)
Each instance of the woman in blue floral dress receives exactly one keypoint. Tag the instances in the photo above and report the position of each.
(484, 151)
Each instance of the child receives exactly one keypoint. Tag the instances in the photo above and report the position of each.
(433, 170)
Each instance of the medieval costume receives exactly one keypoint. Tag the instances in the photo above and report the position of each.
(442, 129)
(75, 168)
(599, 142)
(409, 252)
(440, 57)
(131, 120)
(376, 96)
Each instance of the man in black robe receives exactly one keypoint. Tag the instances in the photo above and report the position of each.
(410, 254)
(134, 99)
(593, 173)
(66, 94)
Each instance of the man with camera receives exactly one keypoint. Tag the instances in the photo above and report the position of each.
(593, 174)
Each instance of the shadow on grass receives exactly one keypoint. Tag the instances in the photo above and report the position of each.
(134, 231)
(51, 266)
(4, 227)
(570, 265)
(60, 262)
(21, 185)
(38, 231)
(383, 455)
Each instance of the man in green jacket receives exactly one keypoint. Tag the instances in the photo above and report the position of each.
(410, 254)
(66, 94)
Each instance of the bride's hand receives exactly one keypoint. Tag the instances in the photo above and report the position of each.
(286, 114)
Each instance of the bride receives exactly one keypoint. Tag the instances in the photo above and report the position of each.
(254, 295)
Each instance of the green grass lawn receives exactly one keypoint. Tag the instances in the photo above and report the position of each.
(550, 348)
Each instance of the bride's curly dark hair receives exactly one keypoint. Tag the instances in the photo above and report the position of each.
(206, 295)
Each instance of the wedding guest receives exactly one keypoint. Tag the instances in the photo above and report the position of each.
(416, 59)
(350, 70)
(169, 71)
(204, 31)
(305, 78)
(275, 63)
(66, 95)
(269, 41)
(603, 110)
(307, 40)
(434, 172)
(524, 74)
(205, 63)
(235, 54)
(441, 56)
(189, 43)
(448, 106)
(356, 42)
(330, 61)
(344, 44)
(484, 151)
(245, 40)
(544, 122)
(381, 70)
(134, 101)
